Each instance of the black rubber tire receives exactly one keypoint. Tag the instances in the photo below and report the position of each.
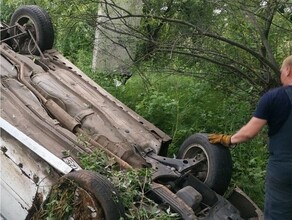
(102, 190)
(41, 21)
(217, 170)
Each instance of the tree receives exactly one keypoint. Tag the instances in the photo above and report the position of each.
(234, 44)
(114, 51)
(240, 42)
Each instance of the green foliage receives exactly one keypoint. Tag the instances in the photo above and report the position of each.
(158, 107)
(74, 23)
(6, 11)
(249, 168)
(160, 33)
(132, 185)
(182, 105)
(240, 43)
(59, 205)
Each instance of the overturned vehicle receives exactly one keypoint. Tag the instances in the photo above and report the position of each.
(47, 103)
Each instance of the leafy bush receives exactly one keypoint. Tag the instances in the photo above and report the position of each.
(132, 184)
(249, 168)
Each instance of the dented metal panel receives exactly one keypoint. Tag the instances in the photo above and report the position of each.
(15, 199)
(24, 175)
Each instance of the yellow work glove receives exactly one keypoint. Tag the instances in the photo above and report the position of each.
(220, 139)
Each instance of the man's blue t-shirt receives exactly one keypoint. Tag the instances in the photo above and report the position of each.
(275, 107)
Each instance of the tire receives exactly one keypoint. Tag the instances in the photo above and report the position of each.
(216, 170)
(94, 193)
(39, 23)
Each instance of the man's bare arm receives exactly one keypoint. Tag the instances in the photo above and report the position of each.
(250, 130)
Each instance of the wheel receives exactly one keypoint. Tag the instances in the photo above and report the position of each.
(38, 22)
(216, 169)
(89, 195)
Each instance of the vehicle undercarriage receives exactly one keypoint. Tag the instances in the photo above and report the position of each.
(48, 105)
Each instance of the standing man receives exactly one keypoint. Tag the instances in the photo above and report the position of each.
(274, 109)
